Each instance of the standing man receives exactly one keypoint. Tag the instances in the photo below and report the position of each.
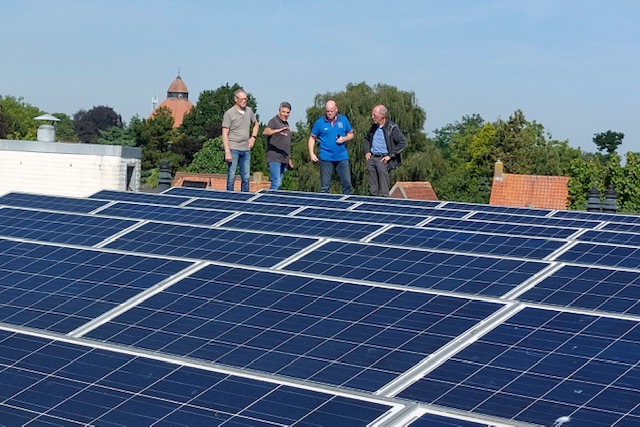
(238, 139)
(332, 130)
(382, 146)
(278, 145)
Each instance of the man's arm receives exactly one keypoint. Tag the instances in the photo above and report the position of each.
(311, 144)
(225, 144)
(399, 141)
(254, 131)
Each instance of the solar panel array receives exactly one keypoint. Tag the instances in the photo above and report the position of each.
(202, 307)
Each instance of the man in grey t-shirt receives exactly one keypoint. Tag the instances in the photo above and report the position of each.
(278, 145)
(238, 138)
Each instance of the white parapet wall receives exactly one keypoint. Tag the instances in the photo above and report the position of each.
(67, 169)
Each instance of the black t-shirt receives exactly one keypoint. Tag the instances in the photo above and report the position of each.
(278, 144)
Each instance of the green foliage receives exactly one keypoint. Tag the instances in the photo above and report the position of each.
(64, 128)
(210, 159)
(155, 135)
(118, 136)
(628, 188)
(17, 119)
(585, 173)
(608, 141)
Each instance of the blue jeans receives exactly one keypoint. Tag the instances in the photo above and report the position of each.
(276, 170)
(243, 158)
(326, 172)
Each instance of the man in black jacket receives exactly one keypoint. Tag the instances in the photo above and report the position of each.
(382, 146)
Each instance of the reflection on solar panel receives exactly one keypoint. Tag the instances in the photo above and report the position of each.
(367, 217)
(433, 270)
(59, 289)
(55, 203)
(230, 205)
(542, 366)
(212, 244)
(45, 382)
(461, 241)
(304, 226)
(128, 196)
(331, 332)
(58, 227)
(164, 213)
(202, 307)
(591, 288)
(496, 227)
(523, 219)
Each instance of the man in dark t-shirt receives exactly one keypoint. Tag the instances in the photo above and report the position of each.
(278, 145)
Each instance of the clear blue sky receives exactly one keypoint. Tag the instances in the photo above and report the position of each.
(571, 65)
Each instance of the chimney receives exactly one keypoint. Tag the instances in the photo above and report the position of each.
(610, 205)
(497, 171)
(47, 133)
(593, 200)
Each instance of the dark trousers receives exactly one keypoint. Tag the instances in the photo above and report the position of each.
(378, 177)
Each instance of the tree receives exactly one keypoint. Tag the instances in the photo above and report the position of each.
(64, 128)
(88, 124)
(210, 159)
(18, 119)
(608, 141)
(155, 135)
(118, 136)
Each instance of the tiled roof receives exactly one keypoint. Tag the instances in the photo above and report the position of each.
(536, 191)
(419, 190)
(218, 181)
(178, 106)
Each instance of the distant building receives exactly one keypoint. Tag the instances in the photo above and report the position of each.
(413, 190)
(177, 101)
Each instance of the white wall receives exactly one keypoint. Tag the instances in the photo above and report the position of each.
(66, 169)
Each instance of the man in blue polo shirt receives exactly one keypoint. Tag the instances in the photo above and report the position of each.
(332, 130)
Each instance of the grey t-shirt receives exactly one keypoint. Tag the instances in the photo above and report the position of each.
(278, 144)
(239, 126)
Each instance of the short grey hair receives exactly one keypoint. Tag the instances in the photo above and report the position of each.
(285, 104)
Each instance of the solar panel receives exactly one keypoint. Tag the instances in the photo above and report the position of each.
(59, 227)
(303, 201)
(55, 203)
(590, 288)
(602, 254)
(452, 272)
(502, 228)
(410, 210)
(393, 201)
(544, 367)
(231, 205)
(366, 217)
(150, 198)
(51, 383)
(209, 194)
(511, 210)
(59, 289)
(330, 332)
(598, 216)
(304, 194)
(617, 226)
(164, 213)
(527, 219)
(614, 237)
(246, 248)
(461, 241)
(302, 226)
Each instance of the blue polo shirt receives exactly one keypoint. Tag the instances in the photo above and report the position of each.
(326, 133)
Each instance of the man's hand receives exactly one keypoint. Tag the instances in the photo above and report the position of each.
(227, 157)
(314, 158)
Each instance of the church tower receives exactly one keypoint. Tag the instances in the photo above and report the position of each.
(177, 101)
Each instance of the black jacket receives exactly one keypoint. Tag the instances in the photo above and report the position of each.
(393, 137)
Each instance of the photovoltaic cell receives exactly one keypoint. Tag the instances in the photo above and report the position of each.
(543, 366)
(592, 288)
(502, 228)
(304, 194)
(497, 209)
(469, 274)
(618, 226)
(303, 201)
(59, 227)
(602, 254)
(591, 216)
(393, 201)
(303, 226)
(149, 198)
(237, 206)
(53, 383)
(55, 203)
(211, 244)
(60, 289)
(209, 194)
(528, 219)
(614, 237)
(461, 241)
(365, 217)
(410, 210)
(338, 333)
(165, 213)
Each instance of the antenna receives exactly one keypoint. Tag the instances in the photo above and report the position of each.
(154, 103)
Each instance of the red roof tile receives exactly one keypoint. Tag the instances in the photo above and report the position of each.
(419, 190)
(536, 191)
